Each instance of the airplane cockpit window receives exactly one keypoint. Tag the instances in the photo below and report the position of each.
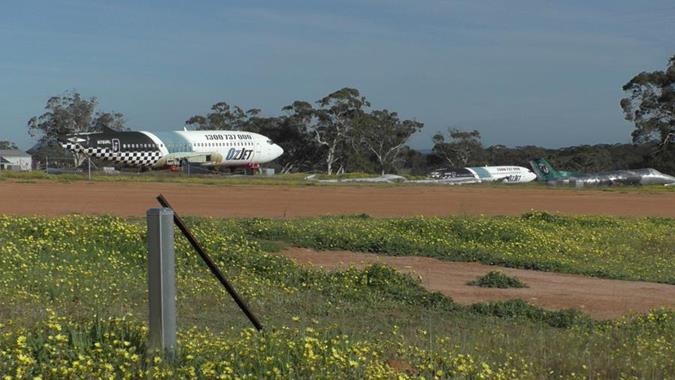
(270, 142)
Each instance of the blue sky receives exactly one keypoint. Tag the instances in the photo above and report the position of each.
(521, 72)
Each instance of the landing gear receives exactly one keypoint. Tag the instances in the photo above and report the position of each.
(185, 166)
(254, 168)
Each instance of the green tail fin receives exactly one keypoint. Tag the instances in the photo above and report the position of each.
(544, 170)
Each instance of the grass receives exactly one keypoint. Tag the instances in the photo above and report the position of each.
(73, 304)
(619, 248)
(497, 279)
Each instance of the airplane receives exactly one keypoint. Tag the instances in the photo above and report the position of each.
(175, 148)
(648, 176)
(478, 174)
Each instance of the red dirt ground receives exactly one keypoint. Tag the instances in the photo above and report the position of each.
(600, 298)
(133, 199)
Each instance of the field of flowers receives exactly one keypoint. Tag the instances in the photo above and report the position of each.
(621, 248)
(73, 305)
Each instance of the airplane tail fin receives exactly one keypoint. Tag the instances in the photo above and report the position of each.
(544, 170)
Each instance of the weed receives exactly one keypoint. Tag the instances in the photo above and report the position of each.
(497, 279)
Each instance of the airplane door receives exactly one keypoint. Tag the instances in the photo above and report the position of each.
(116, 145)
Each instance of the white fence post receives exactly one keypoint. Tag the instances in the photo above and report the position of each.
(161, 281)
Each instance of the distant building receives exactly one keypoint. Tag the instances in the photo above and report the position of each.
(14, 159)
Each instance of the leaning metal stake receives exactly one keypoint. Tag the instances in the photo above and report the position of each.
(209, 263)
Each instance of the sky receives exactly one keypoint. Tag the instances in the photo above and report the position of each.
(522, 72)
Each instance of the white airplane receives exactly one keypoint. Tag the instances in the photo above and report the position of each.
(478, 174)
(171, 149)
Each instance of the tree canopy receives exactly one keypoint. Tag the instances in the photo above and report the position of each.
(650, 105)
(223, 117)
(336, 114)
(463, 148)
(4, 144)
(71, 113)
(382, 134)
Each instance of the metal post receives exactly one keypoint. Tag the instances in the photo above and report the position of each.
(88, 161)
(161, 281)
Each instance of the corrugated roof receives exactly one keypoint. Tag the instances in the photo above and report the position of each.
(13, 153)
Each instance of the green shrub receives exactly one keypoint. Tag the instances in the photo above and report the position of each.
(497, 279)
(520, 309)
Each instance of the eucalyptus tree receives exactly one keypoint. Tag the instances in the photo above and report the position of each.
(382, 134)
(461, 149)
(223, 117)
(4, 144)
(650, 105)
(71, 113)
(336, 115)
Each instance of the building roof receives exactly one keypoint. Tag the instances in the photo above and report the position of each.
(13, 153)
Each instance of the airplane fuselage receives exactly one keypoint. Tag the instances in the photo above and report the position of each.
(646, 176)
(161, 149)
(477, 174)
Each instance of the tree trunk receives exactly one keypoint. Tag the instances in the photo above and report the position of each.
(331, 158)
(78, 159)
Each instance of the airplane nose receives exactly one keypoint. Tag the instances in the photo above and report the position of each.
(278, 151)
(530, 176)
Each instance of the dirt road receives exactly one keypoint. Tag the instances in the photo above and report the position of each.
(600, 298)
(133, 199)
